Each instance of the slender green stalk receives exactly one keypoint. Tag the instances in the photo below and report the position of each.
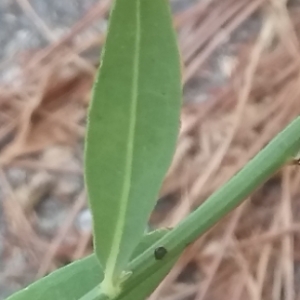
(280, 150)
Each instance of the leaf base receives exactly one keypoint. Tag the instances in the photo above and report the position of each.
(109, 288)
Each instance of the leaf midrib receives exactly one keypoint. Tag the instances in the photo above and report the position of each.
(121, 219)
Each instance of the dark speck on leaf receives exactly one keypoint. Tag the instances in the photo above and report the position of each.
(160, 253)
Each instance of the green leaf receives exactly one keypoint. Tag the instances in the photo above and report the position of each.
(132, 128)
(78, 278)
(143, 287)
(70, 282)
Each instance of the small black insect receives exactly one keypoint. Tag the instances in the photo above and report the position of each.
(160, 253)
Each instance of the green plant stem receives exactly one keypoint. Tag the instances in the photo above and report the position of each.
(276, 154)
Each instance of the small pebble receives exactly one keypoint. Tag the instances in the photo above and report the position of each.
(84, 221)
(16, 176)
(51, 215)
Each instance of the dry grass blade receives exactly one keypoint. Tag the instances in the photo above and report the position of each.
(287, 241)
(18, 223)
(50, 254)
(213, 268)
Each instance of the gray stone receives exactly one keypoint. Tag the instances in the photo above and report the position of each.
(51, 214)
(17, 176)
(84, 222)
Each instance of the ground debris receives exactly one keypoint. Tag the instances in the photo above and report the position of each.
(235, 102)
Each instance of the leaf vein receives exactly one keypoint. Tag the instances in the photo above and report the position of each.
(117, 239)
